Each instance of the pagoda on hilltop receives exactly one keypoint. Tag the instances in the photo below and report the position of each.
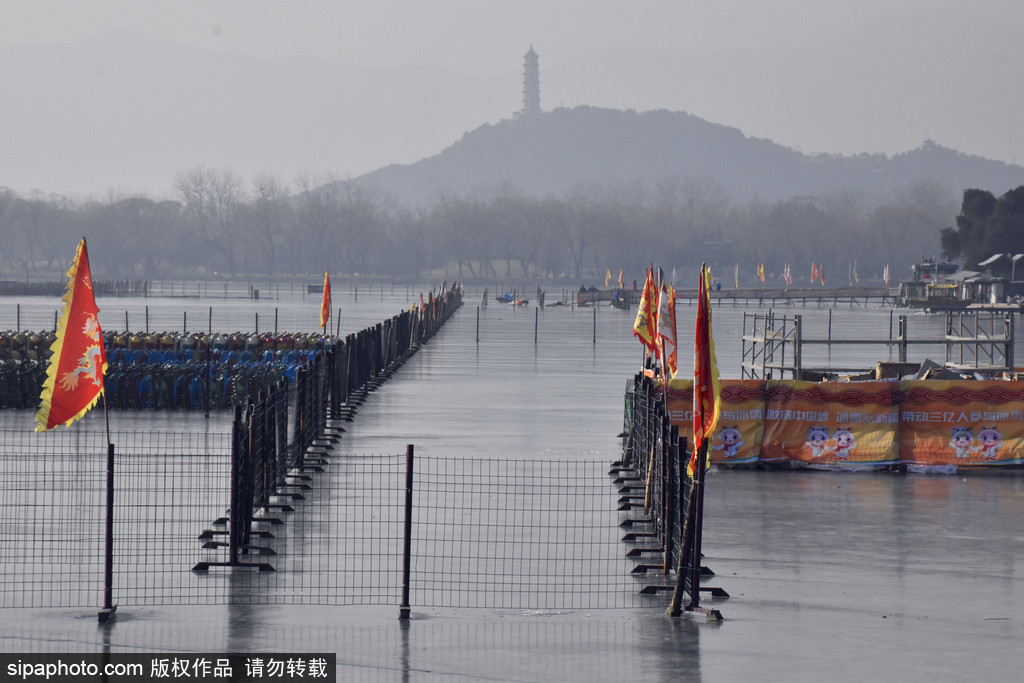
(531, 84)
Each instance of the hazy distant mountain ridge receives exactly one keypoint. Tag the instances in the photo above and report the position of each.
(552, 152)
(126, 112)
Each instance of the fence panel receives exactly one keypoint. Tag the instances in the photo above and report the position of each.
(170, 485)
(518, 534)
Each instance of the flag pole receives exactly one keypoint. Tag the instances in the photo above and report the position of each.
(75, 383)
(706, 398)
(689, 562)
(109, 607)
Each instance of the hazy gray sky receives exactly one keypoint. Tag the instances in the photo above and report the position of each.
(832, 76)
(471, 36)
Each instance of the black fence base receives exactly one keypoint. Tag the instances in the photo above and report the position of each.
(262, 566)
(210, 533)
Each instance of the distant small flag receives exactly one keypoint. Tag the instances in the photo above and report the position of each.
(760, 272)
(814, 272)
(736, 276)
(607, 277)
(787, 276)
(78, 362)
(325, 305)
(885, 274)
(821, 275)
(621, 283)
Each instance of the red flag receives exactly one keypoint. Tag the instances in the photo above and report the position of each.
(814, 272)
(78, 361)
(620, 278)
(646, 327)
(706, 390)
(325, 305)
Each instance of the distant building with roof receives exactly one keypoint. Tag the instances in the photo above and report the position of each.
(1003, 265)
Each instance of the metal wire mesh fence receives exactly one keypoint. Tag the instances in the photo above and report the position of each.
(52, 542)
(256, 510)
(518, 534)
(513, 534)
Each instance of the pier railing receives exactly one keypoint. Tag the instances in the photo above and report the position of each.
(263, 513)
(269, 462)
(778, 347)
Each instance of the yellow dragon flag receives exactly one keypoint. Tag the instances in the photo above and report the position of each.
(78, 361)
(646, 326)
(667, 329)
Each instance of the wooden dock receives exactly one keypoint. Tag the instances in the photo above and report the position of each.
(766, 296)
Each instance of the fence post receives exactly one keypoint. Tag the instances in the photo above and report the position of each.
(697, 490)
(235, 504)
(798, 353)
(671, 494)
(108, 564)
(403, 611)
(1008, 334)
(901, 337)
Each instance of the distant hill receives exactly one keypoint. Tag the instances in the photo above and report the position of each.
(550, 153)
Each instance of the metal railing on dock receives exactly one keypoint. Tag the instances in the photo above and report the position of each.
(776, 347)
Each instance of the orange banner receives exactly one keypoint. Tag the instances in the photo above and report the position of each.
(740, 429)
(927, 425)
(831, 425)
(737, 437)
(679, 406)
(947, 424)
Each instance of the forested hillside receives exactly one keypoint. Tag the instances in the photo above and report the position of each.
(568, 195)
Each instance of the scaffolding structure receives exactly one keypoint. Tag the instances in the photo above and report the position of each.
(774, 347)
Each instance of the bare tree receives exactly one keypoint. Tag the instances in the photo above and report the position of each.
(363, 214)
(589, 219)
(211, 202)
(316, 215)
(137, 236)
(269, 213)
